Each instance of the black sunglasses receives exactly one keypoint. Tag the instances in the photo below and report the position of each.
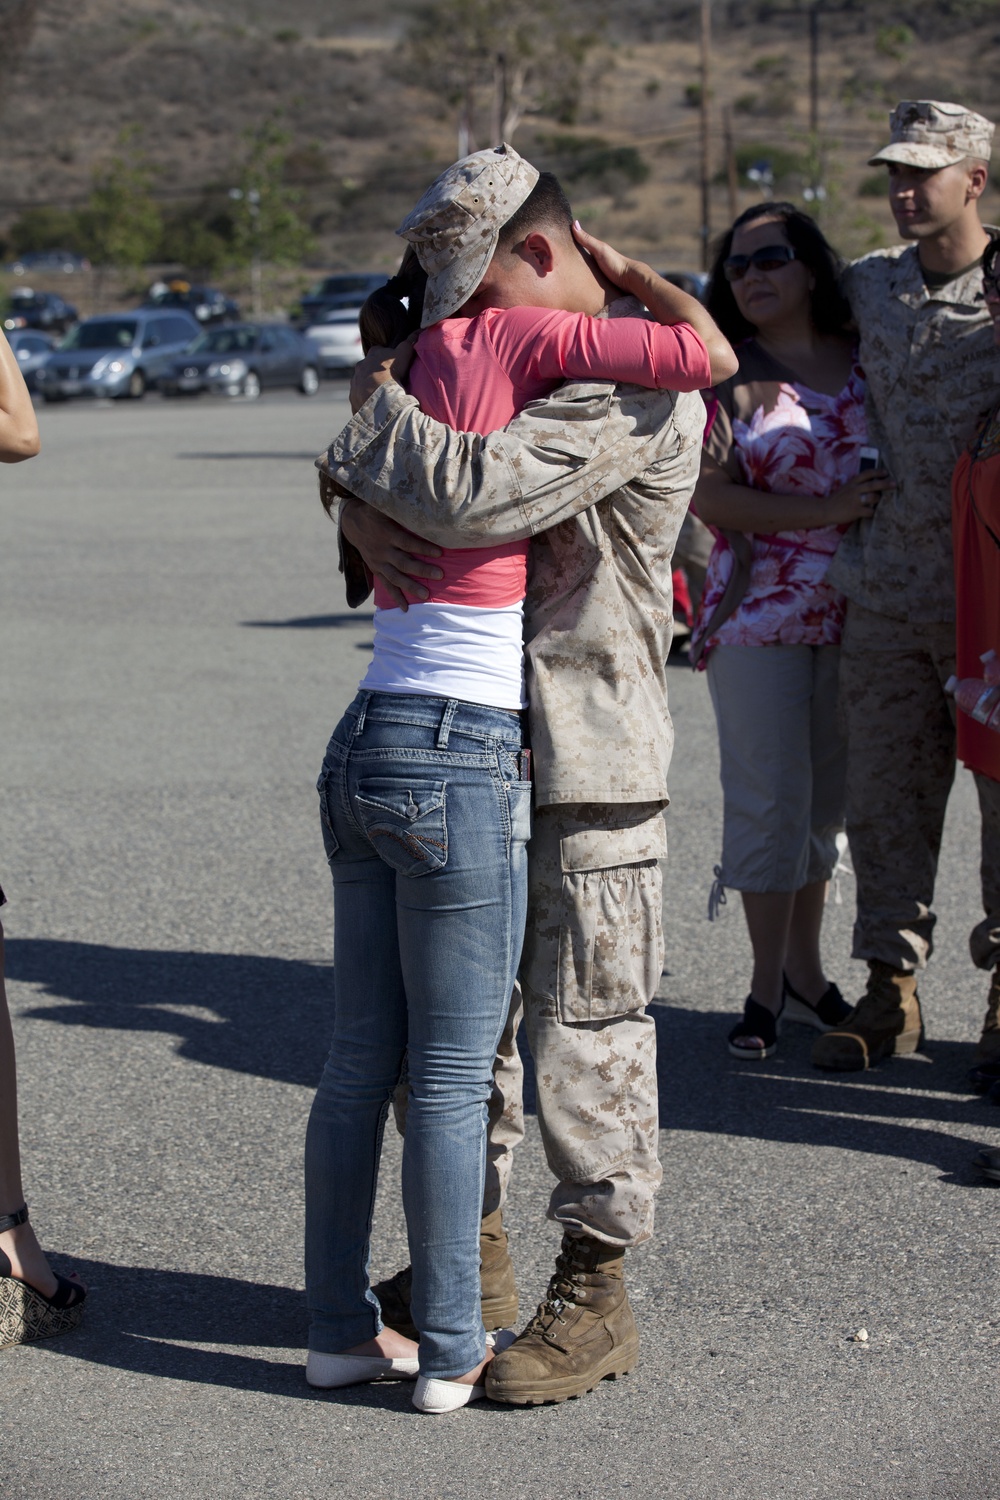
(767, 258)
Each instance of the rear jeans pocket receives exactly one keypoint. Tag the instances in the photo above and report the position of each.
(404, 821)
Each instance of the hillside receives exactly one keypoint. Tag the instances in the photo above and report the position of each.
(367, 136)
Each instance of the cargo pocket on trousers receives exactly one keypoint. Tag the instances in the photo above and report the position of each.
(611, 933)
(405, 822)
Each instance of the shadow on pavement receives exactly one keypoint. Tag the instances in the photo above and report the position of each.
(785, 1098)
(245, 454)
(271, 1018)
(311, 622)
(149, 1322)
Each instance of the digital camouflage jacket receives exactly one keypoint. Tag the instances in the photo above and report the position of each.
(600, 478)
(933, 373)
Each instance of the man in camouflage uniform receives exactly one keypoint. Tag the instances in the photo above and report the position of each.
(928, 354)
(600, 478)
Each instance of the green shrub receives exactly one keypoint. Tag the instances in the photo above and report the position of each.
(591, 164)
(893, 41)
(786, 165)
(46, 229)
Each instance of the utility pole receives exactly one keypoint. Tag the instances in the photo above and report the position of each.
(706, 155)
(499, 97)
(732, 178)
(815, 192)
(814, 68)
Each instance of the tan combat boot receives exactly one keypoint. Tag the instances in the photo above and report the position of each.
(988, 1046)
(496, 1273)
(582, 1333)
(886, 1022)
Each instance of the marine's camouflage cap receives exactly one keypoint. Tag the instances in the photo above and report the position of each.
(926, 133)
(455, 227)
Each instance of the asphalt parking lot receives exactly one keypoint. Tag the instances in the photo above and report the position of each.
(175, 651)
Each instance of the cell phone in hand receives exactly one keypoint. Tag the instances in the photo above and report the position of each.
(869, 459)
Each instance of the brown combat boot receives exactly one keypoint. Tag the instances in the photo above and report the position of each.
(582, 1333)
(988, 1046)
(886, 1022)
(496, 1274)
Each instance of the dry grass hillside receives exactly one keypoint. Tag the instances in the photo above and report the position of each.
(367, 137)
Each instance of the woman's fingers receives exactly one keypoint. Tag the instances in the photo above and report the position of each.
(610, 260)
(395, 593)
(412, 567)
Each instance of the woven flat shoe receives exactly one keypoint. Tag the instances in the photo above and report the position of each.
(27, 1315)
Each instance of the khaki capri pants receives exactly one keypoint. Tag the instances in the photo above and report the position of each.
(783, 764)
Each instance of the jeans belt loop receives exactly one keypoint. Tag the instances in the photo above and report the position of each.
(450, 710)
(366, 698)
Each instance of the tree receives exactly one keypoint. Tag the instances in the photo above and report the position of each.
(479, 56)
(120, 225)
(17, 26)
(268, 228)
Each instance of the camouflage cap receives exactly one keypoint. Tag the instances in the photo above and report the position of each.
(455, 227)
(926, 133)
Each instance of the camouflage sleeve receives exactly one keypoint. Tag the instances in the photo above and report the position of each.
(559, 457)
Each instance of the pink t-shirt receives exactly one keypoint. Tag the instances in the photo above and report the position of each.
(476, 374)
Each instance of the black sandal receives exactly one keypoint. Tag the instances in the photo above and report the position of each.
(25, 1313)
(760, 1026)
(829, 1011)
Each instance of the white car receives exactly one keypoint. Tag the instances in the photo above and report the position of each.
(337, 339)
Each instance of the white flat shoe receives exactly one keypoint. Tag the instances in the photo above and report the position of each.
(439, 1396)
(327, 1371)
(500, 1339)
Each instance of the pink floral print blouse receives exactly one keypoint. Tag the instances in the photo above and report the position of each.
(790, 440)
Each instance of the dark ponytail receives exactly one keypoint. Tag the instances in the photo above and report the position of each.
(384, 319)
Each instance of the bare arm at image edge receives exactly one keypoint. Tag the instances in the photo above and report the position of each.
(556, 459)
(18, 425)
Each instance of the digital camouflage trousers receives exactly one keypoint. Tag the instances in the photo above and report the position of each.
(900, 767)
(592, 961)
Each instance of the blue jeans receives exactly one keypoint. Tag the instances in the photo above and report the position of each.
(425, 821)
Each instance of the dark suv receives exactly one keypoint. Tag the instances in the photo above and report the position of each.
(341, 290)
(44, 310)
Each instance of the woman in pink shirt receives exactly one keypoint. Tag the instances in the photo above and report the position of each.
(425, 796)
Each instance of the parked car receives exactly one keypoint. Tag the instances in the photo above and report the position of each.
(47, 260)
(44, 310)
(695, 283)
(337, 338)
(31, 350)
(341, 290)
(206, 303)
(243, 359)
(116, 354)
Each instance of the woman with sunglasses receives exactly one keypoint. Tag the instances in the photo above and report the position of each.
(975, 499)
(780, 483)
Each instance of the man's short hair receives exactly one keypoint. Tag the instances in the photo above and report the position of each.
(546, 207)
